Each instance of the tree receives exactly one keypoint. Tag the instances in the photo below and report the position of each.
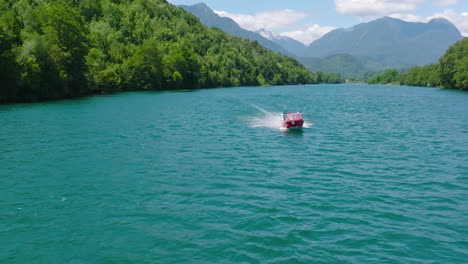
(55, 49)
(388, 76)
(146, 67)
(64, 28)
(454, 66)
(10, 30)
(181, 68)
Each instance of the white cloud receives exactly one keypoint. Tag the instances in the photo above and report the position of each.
(280, 20)
(270, 20)
(308, 34)
(459, 19)
(446, 2)
(375, 8)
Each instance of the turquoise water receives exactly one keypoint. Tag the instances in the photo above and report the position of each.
(379, 175)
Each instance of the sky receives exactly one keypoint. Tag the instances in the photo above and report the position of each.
(308, 20)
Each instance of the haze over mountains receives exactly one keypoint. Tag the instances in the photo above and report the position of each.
(291, 45)
(211, 19)
(380, 44)
(392, 42)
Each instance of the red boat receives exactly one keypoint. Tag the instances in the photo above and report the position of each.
(293, 120)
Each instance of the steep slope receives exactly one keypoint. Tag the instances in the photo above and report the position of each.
(293, 46)
(112, 46)
(211, 19)
(393, 42)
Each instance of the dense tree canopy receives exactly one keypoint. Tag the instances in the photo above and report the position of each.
(386, 77)
(55, 49)
(454, 66)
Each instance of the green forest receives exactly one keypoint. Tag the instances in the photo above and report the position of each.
(58, 49)
(451, 72)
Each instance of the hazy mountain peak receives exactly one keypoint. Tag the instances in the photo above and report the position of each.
(209, 18)
(440, 20)
(268, 34)
(199, 6)
(387, 18)
(293, 46)
(391, 41)
(202, 4)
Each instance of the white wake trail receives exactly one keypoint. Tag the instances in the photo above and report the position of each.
(267, 119)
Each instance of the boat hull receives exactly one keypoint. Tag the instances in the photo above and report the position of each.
(293, 124)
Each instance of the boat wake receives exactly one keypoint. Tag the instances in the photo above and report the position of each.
(265, 118)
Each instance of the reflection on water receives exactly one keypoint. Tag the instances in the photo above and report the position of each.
(293, 132)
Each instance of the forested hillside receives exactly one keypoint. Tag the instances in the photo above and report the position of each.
(347, 66)
(56, 49)
(451, 71)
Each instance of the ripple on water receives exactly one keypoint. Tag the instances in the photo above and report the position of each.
(380, 177)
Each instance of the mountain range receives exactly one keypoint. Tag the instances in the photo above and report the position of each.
(209, 18)
(390, 41)
(291, 45)
(367, 47)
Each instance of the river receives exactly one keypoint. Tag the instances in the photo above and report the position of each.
(378, 175)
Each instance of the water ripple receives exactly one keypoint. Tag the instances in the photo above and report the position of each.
(380, 177)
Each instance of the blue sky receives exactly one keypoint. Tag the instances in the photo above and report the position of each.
(307, 20)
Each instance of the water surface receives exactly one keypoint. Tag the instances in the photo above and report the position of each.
(380, 175)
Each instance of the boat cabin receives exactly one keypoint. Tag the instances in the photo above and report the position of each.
(294, 116)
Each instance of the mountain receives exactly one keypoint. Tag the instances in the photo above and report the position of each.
(211, 19)
(293, 46)
(367, 47)
(390, 41)
(451, 72)
(113, 46)
(346, 65)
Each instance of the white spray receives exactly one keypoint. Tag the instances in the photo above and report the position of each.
(267, 119)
